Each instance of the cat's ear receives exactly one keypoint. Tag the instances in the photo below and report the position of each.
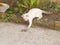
(1, 4)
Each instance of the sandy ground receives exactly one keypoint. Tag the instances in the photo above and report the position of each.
(10, 34)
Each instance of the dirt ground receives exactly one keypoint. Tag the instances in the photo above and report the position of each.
(10, 34)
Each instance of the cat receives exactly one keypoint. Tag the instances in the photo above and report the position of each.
(33, 13)
(3, 7)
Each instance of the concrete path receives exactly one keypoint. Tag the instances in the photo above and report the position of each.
(10, 34)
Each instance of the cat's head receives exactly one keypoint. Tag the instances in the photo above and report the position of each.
(25, 16)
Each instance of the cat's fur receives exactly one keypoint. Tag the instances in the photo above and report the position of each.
(32, 13)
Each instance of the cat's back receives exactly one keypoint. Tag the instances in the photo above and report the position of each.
(35, 10)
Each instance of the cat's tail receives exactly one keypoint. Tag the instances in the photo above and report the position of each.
(46, 12)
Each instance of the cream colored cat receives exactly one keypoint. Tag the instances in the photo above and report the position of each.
(32, 13)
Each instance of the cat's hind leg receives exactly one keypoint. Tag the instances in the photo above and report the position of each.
(38, 18)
